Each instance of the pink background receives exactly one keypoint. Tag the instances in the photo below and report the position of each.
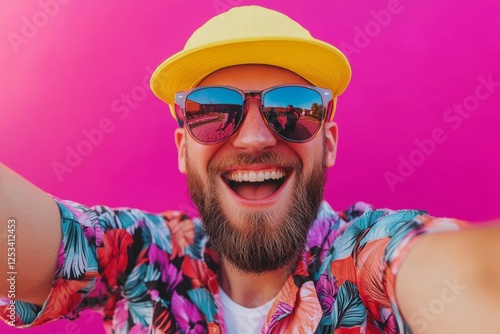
(67, 76)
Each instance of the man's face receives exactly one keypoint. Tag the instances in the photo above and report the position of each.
(261, 224)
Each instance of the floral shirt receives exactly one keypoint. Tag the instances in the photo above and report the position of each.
(152, 273)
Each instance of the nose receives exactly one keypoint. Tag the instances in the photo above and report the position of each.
(254, 135)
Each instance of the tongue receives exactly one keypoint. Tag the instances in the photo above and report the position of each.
(255, 191)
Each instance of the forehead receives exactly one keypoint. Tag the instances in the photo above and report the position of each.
(252, 77)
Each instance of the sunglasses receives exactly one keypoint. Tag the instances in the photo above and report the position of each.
(295, 113)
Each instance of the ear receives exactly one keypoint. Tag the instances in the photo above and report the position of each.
(331, 137)
(180, 142)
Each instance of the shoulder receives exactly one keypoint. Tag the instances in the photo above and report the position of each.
(341, 235)
(167, 230)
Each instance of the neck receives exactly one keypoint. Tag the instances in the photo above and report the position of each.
(249, 289)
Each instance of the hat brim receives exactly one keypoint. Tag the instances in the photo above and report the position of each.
(319, 63)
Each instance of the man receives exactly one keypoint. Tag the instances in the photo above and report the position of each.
(271, 256)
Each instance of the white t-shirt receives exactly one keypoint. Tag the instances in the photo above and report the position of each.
(243, 320)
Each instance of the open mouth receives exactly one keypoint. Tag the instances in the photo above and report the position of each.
(256, 185)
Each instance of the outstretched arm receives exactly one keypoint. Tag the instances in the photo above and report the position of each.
(450, 282)
(30, 235)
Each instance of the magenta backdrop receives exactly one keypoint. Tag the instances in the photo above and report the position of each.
(418, 124)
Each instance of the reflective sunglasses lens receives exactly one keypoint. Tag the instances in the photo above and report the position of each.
(213, 113)
(294, 113)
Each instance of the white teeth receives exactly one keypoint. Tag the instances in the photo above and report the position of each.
(252, 176)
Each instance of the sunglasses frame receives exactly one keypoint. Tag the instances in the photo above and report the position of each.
(326, 95)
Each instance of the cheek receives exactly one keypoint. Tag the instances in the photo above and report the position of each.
(199, 156)
(309, 154)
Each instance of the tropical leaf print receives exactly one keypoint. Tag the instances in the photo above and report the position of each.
(204, 301)
(76, 251)
(349, 310)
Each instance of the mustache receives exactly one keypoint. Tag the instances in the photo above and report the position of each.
(215, 166)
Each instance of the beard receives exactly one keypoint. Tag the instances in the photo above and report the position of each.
(258, 242)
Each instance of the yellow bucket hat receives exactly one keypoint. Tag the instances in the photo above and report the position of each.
(251, 35)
